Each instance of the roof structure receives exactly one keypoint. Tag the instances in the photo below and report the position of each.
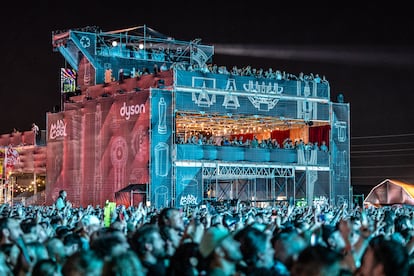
(390, 192)
(140, 31)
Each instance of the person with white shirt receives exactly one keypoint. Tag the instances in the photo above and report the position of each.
(36, 132)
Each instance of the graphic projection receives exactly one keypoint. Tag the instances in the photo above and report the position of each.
(99, 148)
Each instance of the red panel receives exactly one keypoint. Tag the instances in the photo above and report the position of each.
(280, 135)
(143, 82)
(97, 150)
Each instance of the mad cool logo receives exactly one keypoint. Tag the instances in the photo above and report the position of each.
(128, 110)
(57, 129)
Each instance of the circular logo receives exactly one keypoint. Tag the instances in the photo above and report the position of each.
(119, 151)
(85, 41)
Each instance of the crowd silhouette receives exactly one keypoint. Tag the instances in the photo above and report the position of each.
(234, 238)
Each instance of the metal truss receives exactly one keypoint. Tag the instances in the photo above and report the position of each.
(230, 171)
(225, 179)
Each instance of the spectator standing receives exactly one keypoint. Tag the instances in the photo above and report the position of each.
(257, 250)
(171, 226)
(324, 147)
(288, 244)
(185, 260)
(254, 143)
(46, 267)
(317, 260)
(148, 244)
(83, 262)
(384, 257)
(221, 252)
(171, 217)
(36, 133)
(12, 244)
(61, 202)
(125, 263)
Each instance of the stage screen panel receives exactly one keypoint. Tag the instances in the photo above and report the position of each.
(161, 148)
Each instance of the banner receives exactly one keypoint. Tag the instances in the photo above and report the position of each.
(98, 149)
(12, 157)
(161, 148)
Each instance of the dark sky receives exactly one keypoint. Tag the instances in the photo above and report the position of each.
(366, 53)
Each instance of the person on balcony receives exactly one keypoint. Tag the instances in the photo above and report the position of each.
(324, 147)
(254, 143)
(36, 133)
(226, 141)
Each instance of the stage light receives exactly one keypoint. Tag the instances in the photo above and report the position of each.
(141, 46)
(309, 123)
(114, 43)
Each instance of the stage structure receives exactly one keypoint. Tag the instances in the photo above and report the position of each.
(22, 167)
(125, 133)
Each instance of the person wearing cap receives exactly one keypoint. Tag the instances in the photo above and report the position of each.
(220, 251)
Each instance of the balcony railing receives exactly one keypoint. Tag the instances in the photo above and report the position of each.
(234, 153)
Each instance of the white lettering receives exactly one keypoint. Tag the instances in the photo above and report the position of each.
(189, 199)
(270, 88)
(57, 130)
(127, 111)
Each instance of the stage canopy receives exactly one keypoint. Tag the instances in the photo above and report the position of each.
(390, 192)
(132, 194)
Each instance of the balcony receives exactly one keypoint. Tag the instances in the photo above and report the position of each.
(246, 154)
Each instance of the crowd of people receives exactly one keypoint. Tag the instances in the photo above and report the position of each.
(241, 141)
(250, 71)
(235, 238)
(166, 60)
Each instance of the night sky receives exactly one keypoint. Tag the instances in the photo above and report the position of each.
(366, 53)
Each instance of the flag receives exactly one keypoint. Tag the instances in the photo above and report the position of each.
(12, 157)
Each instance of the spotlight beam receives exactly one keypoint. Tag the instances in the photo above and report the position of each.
(351, 55)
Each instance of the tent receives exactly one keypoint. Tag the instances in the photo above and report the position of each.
(390, 192)
(132, 194)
